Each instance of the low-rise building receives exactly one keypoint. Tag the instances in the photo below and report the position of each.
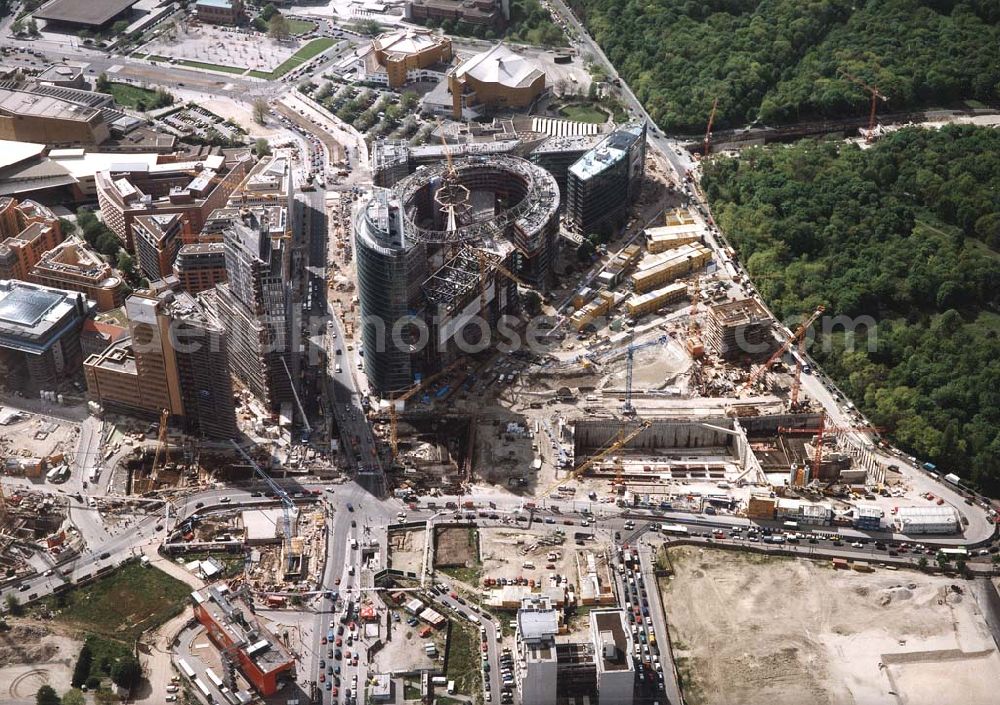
(927, 520)
(226, 12)
(488, 13)
(496, 79)
(27, 231)
(232, 626)
(868, 517)
(656, 270)
(639, 305)
(30, 117)
(40, 333)
(72, 266)
(761, 507)
(407, 54)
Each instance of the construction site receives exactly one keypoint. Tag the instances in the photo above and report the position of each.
(665, 383)
(844, 636)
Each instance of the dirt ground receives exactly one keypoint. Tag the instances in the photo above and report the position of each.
(404, 652)
(32, 656)
(406, 550)
(455, 546)
(505, 553)
(758, 629)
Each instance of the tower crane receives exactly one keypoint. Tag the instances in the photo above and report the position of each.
(876, 95)
(708, 130)
(627, 407)
(401, 399)
(622, 439)
(161, 448)
(820, 432)
(793, 399)
(798, 334)
(451, 196)
(287, 504)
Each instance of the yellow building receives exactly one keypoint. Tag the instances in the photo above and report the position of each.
(402, 53)
(667, 237)
(662, 268)
(495, 79)
(29, 117)
(596, 308)
(640, 304)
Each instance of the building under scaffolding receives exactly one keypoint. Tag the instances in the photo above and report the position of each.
(739, 327)
(433, 256)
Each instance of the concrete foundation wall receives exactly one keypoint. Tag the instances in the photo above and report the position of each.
(593, 434)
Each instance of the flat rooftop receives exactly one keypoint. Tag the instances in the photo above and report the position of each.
(34, 105)
(738, 312)
(241, 627)
(609, 627)
(91, 12)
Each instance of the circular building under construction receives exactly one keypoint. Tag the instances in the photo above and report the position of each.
(440, 257)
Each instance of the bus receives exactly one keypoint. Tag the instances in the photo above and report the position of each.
(959, 552)
(185, 668)
(203, 688)
(675, 529)
(216, 681)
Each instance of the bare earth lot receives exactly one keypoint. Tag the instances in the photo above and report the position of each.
(757, 629)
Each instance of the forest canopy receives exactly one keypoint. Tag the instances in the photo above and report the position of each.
(781, 61)
(908, 233)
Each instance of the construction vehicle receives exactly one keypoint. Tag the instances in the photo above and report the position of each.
(398, 401)
(780, 352)
(876, 95)
(287, 505)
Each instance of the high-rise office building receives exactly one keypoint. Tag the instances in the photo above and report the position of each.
(175, 357)
(604, 182)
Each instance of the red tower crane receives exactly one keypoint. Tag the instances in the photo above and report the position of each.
(708, 130)
(876, 95)
(796, 336)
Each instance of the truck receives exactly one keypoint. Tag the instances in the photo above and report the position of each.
(952, 478)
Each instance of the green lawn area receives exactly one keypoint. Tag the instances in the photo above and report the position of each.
(122, 604)
(584, 113)
(213, 67)
(300, 27)
(470, 576)
(310, 50)
(411, 690)
(463, 659)
(131, 96)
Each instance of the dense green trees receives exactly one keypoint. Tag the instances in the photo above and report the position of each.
(780, 60)
(904, 232)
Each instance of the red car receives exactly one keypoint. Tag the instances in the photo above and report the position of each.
(322, 677)
(322, 640)
(354, 662)
(334, 692)
(339, 641)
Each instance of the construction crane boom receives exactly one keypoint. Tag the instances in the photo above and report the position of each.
(799, 333)
(286, 502)
(622, 438)
(295, 393)
(821, 432)
(876, 95)
(708, 130)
